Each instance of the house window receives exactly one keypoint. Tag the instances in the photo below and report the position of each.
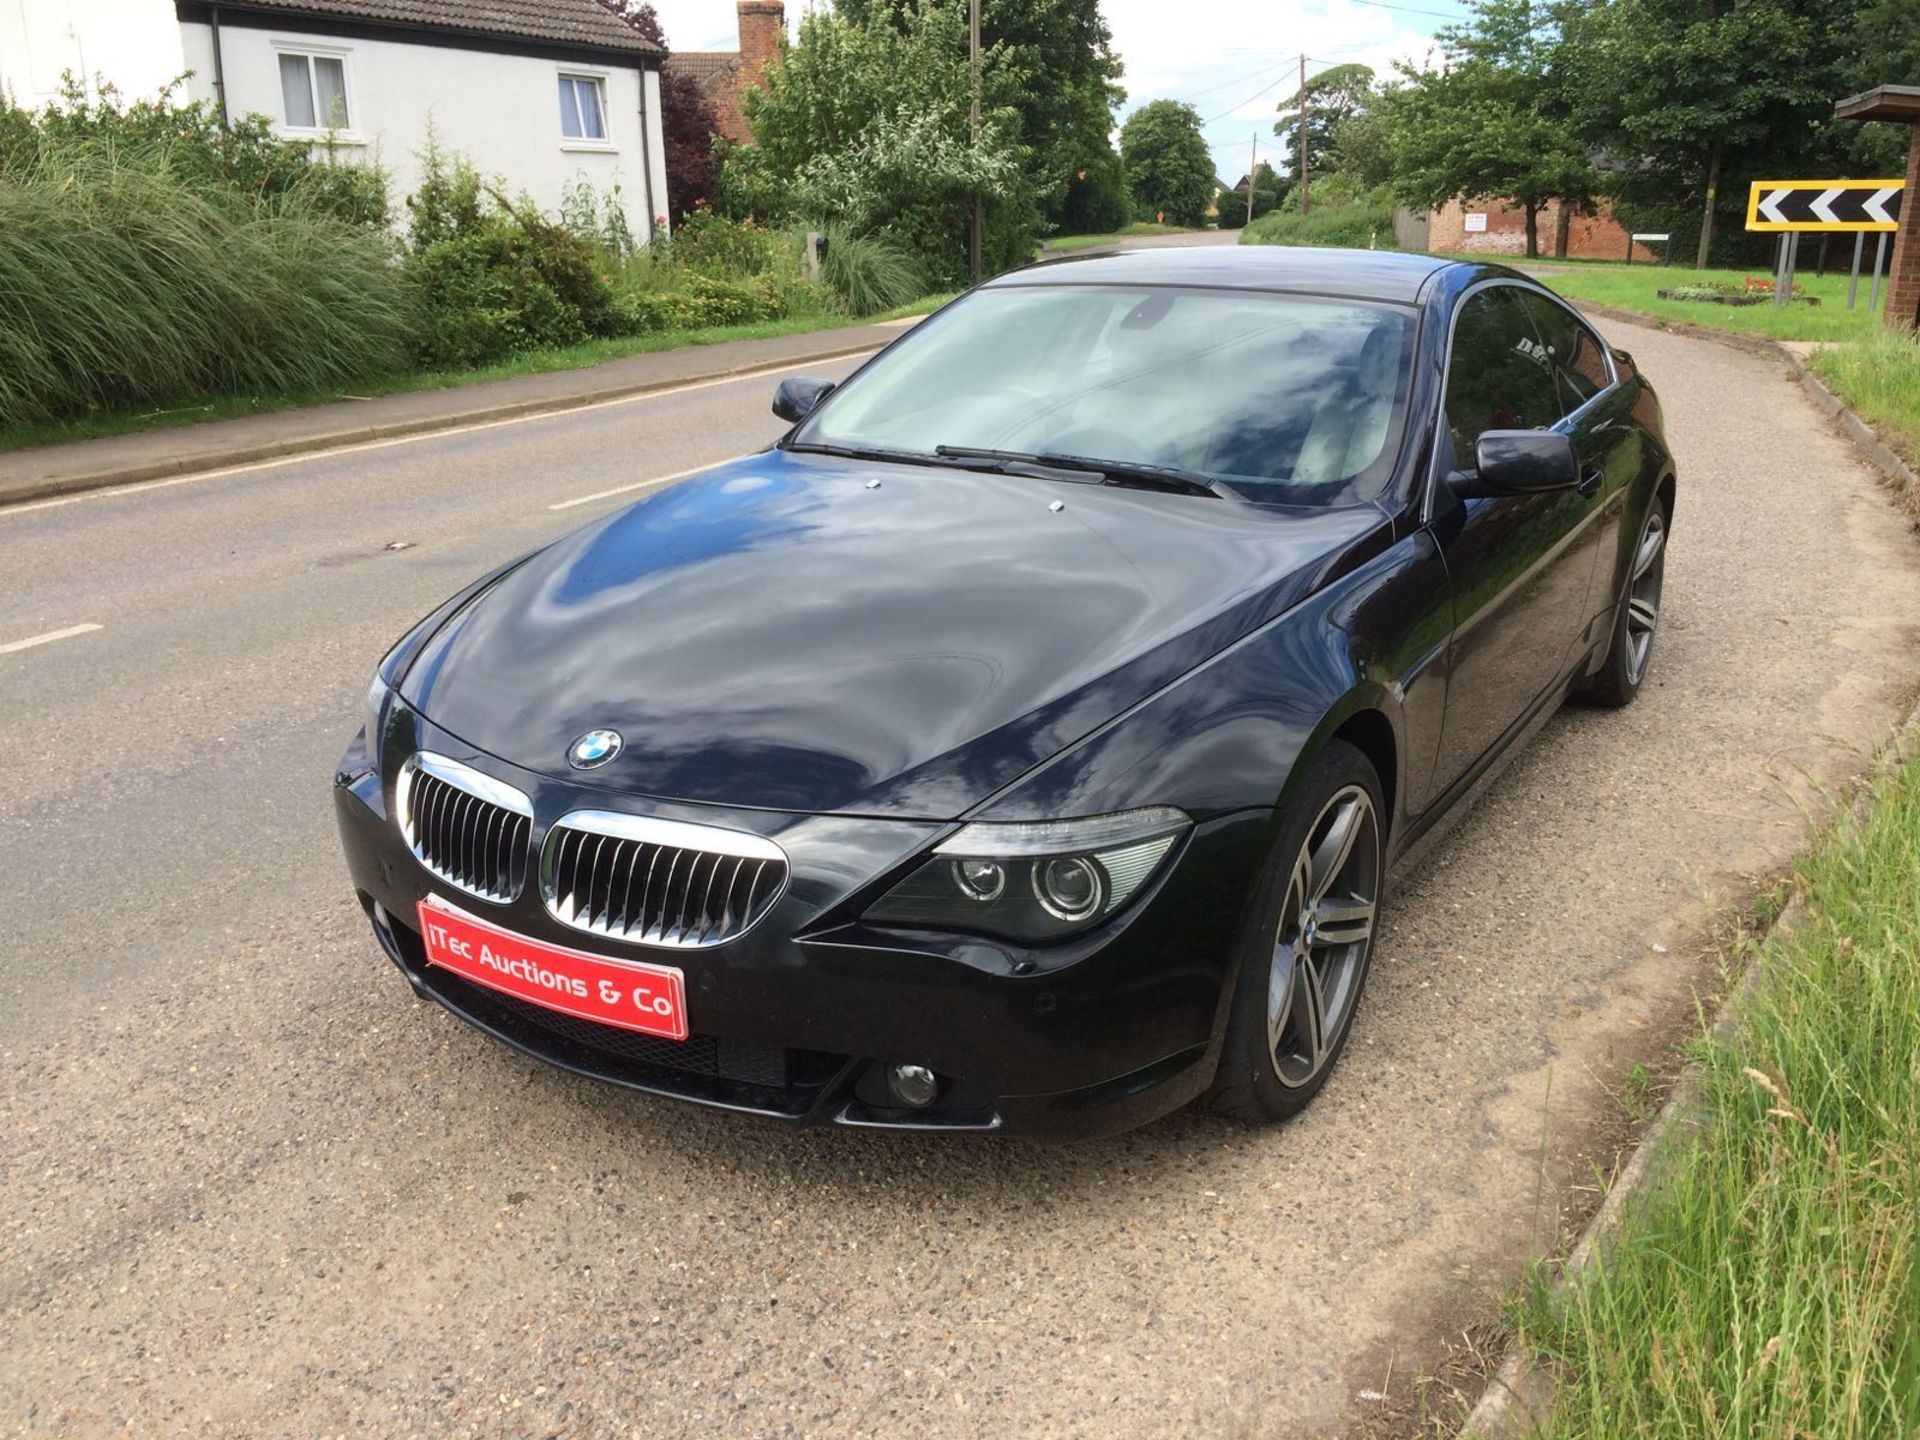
(583, 111)
(314, 89)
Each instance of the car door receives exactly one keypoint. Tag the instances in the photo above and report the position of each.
(1519, 567)
(1607, 443)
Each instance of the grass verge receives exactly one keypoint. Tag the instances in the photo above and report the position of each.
(1880, 378)
(1766, 1285)
(1636, 287)
(530, 362)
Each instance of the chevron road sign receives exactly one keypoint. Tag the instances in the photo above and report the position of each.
(1824, 204)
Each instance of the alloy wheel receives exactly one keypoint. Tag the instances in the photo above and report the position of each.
(1643, 593)
(1324, 938)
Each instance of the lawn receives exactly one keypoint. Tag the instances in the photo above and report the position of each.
(1139, 227)
(1767, 1284)
(1635, 287)
(530, 362)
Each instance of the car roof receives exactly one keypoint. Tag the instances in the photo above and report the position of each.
(1371, 274)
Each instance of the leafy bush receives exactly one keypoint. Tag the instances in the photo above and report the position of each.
(869, 273)
(147, 260)
(1361, 224)
(701, 303)
(723, 249)
(494, 275)
(188, 140)
(866, 125)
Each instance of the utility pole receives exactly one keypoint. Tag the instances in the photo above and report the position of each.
(1305, 200)
(1253, 169)
(973, 65)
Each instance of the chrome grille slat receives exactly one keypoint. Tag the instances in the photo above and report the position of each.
(471, 830)
(658, 882)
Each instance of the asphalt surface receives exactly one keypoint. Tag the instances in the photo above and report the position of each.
(249, 1187)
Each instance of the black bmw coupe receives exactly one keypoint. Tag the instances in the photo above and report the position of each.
(1024, 740)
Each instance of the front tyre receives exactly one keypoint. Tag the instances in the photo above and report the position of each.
(1307, 943)
(1618, 679)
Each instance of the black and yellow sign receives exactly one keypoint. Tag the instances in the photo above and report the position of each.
(1824, 204)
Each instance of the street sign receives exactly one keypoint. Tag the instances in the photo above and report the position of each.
(1824, 204)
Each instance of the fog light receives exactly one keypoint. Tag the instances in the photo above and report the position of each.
(914, 1086)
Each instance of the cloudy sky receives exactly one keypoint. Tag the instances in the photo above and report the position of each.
(1233, 60)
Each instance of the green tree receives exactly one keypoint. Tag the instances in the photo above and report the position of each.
(1054, 70)
(867, 126)
(1496, 122)
(1169, 168)
(1684, 87)
(1335, 96)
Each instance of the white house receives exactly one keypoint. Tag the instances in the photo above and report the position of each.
(542, 92)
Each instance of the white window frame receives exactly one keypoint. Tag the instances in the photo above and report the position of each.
(598, 79)
(346, 134)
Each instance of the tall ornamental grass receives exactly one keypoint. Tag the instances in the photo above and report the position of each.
(125, 281)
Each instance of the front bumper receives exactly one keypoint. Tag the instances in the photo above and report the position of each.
(796, 1019)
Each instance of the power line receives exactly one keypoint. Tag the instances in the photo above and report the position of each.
(1411, 10)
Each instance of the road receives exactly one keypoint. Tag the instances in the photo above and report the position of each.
(249, 1187)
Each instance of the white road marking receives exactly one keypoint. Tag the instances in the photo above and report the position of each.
(48, 638)
(642, 484)
(111, 491)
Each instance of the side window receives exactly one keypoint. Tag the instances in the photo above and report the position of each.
(1500, 376)
(1579, 364)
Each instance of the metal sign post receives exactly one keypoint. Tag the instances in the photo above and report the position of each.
(1879, 264)
(1853, 284)
(1791, 208)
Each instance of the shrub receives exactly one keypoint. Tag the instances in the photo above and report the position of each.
(1361, 224)
(495, 275)
(189, 141)
(701, 303)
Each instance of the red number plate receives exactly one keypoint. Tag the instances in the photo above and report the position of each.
(624, 993)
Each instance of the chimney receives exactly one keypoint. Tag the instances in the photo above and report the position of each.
(762, 23)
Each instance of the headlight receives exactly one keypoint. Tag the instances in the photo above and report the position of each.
(1034, 881)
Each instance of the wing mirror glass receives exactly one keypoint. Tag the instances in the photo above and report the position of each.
(1518, 462)
(798, 396)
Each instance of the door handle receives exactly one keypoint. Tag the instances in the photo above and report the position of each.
(1590, 480)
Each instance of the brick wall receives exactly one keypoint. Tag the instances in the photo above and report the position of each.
(1596, 237)
(1903, 279)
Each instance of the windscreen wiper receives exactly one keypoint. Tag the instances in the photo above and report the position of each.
(1114, 472)
(877, 452)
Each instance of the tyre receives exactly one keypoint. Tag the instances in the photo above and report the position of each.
(1618, 679)
(1307, 943)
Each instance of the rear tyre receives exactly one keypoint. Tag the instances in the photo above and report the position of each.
(1306, 945)
(1637, 620)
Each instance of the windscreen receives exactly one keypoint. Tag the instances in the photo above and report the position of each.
(1283, 398)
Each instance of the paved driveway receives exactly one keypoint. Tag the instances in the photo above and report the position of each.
(250, 1187)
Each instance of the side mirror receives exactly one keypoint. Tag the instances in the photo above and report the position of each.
(1518, 462)
(798, 395)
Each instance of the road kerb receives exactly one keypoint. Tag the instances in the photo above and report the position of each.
(27, 488)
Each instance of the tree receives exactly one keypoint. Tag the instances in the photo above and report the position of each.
(687, 121)
(1169, 168)
(1684, 86)
(867, 125)
(1334, 96)
(1496, 121)
(1055, 71)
